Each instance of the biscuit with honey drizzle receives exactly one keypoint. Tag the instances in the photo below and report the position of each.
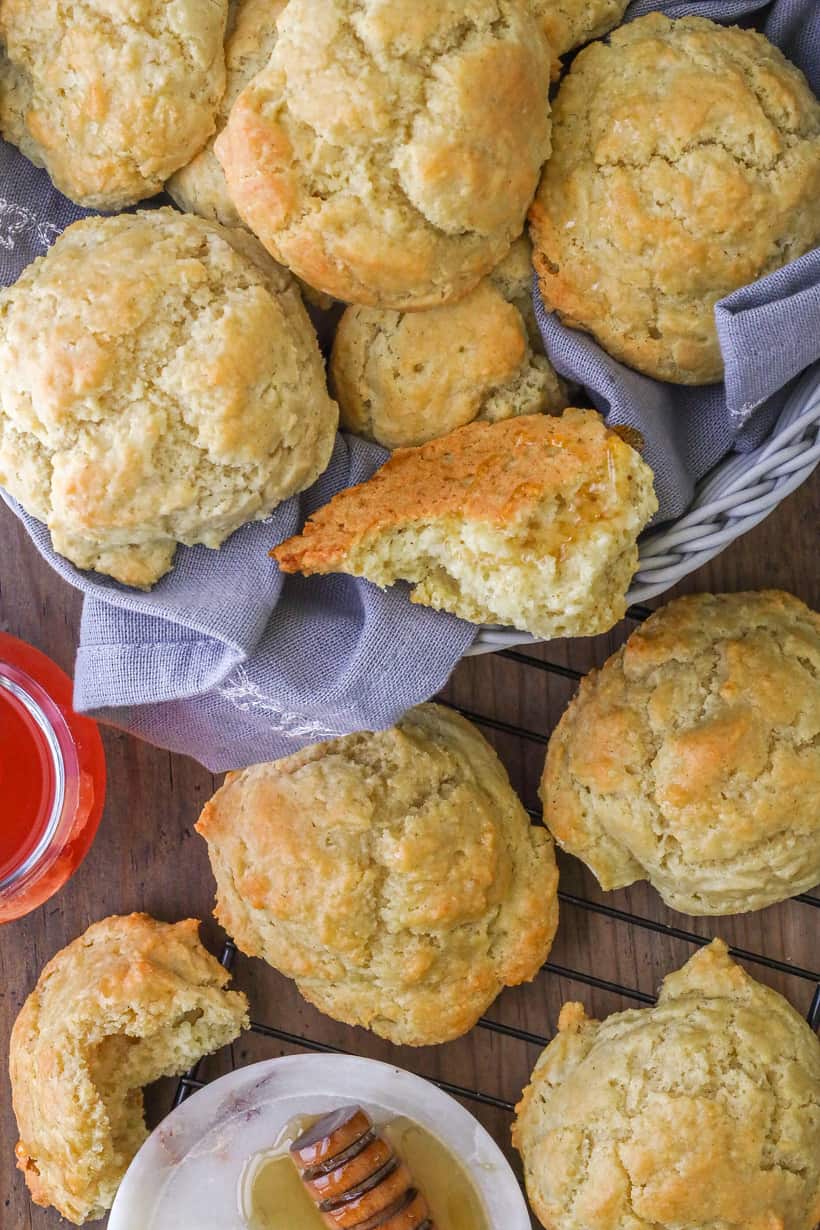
(532, 522)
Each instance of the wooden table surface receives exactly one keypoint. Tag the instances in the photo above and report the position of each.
(147, 857)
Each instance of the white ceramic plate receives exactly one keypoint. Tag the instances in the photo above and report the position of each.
(187, 1175)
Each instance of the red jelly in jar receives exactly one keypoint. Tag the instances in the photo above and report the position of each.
(52, 779)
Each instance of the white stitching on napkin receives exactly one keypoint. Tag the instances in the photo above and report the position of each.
(243, 694)
(17, 220)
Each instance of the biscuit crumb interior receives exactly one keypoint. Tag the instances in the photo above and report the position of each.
(530, 522)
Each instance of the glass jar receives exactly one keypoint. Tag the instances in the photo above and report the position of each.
(52, 779)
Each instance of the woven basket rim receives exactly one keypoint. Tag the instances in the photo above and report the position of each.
(731, 499)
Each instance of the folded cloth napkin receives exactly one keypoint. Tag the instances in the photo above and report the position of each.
(232, 663)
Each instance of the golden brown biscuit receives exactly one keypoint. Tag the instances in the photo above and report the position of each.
(394, 875)
(692, 760)
(387, 153)
(199, 187)
(160, 382)
(404, 378)
(129, 1001)
(532, 521)
(571, 23)
(110, 96)
(685, 164)
(702, 1113)
(513, 277)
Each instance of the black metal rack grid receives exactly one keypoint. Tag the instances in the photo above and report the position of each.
(191, 1081)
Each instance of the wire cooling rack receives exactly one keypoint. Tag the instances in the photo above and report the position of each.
(189, 1083)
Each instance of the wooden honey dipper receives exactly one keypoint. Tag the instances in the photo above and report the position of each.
(355, 1178)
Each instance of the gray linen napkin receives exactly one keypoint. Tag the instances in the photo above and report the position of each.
(232, 663)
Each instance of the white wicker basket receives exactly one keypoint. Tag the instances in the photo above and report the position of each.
(733, 498)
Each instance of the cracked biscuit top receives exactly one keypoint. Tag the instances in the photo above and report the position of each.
(160, 382)
(692, 759)
(685, 164)
(570, 23)
(394, 874)
(199, 187)
(701, 1113)
(402, 378)
(110, 96)
(387, 153)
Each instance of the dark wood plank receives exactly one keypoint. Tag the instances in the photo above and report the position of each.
(146, 856)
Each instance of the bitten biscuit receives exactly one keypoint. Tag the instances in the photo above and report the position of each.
(691, 759)
(685, 164)
(571, 23)
(160, 382)
(388, 153)
(110, 96)
(404, 378)
(532, 521)
(395, 875)
(127, 1002)
(702, 1112)
(199, 187)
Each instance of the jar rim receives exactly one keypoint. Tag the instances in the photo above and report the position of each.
(12, 681)
(66, 824)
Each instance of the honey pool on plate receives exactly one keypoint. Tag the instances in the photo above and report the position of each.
(272, 1196)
